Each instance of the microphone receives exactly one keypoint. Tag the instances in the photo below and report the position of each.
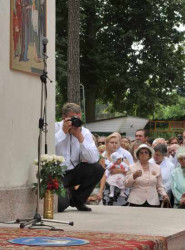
(44, 42)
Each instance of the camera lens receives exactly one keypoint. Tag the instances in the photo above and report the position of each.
(76, 122)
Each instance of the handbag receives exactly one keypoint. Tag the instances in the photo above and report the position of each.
(166, 204)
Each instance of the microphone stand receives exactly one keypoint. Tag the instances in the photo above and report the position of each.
(37, 219)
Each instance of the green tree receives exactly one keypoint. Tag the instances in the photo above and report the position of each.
(132, 55)
(142, 77)
(61, 55)
(67, 53)
(174, 112)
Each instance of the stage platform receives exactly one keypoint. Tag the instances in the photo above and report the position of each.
(168, 223)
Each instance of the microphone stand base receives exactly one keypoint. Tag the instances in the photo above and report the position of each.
(38, 223)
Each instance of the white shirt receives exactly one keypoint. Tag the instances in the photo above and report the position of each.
(74, 152)
(126, 154)
(174, 161)
(166, 169)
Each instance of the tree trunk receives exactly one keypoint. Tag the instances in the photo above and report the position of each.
(73, 54)
(89, 63)
(90, 103)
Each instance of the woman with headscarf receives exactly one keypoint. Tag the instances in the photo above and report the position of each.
(144, 179)
(178, 180)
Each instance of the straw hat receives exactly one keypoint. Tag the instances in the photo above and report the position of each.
(141, 147)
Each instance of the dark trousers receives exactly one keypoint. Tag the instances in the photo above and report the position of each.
(86, 176)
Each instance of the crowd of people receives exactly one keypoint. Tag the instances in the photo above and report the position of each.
(114, 170)
(154, 170)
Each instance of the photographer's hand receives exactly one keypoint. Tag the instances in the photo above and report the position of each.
(76, 132)
(67, 125)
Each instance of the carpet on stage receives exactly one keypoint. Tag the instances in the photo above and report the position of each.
(96, 240)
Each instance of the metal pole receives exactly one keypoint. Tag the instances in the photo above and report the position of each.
(37, 220)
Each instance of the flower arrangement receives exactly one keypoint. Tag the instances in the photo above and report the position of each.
(51, 173)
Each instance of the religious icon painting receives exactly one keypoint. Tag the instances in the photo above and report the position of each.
(27, 30)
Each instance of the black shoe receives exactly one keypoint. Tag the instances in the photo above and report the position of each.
(64, 202)
(80, 207)
(83, 208)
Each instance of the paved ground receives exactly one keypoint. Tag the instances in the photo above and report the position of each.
(169, 223)
(131, 220)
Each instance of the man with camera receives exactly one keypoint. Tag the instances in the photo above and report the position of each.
(76, 144)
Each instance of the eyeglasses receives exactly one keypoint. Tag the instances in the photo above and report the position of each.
(143, 152)
(101, 143)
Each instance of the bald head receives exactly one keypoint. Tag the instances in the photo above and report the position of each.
(172, 149)
(158, 141)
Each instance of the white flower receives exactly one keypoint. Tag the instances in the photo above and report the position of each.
(54, 157)
(60, 159)
(44, 157)
(50, 158)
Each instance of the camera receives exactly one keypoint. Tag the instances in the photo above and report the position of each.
(76, 122)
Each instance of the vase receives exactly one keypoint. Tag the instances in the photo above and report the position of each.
(48, 204)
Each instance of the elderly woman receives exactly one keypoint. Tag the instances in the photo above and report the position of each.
(165, 164)
(178, 180)
(144, 179)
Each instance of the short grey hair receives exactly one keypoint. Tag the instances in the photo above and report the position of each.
(162, 148)
(180, 152)
(158, 141)
(70, 107)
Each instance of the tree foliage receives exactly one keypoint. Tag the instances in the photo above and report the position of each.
(148, 74)
(174, 112)
(132, 54)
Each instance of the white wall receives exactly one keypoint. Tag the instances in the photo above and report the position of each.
(20, 99)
